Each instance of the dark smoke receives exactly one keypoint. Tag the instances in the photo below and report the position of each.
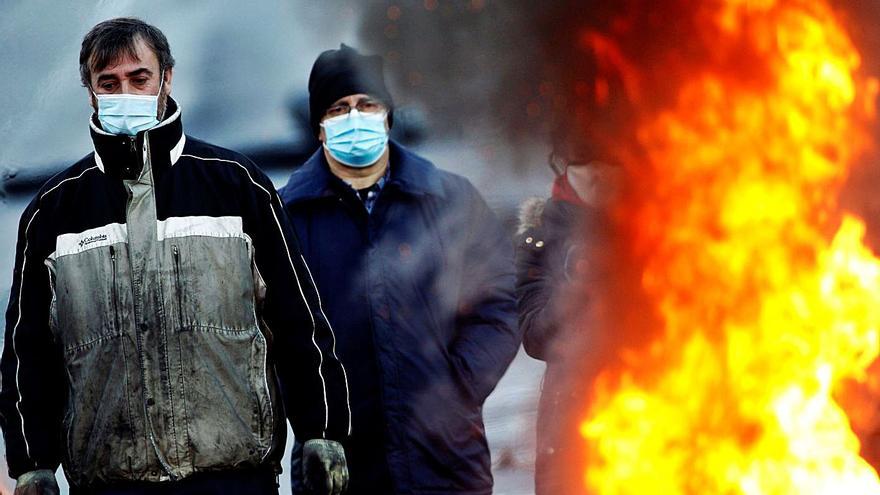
(541, 70)
(472, 65)
(859, 195)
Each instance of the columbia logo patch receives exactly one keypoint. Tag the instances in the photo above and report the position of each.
(85, 241)
(105, 235)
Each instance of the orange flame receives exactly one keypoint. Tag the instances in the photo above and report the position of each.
(767, 295)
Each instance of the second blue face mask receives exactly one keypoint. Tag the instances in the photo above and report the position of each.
(356, 139)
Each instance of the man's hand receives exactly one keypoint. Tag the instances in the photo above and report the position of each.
(39, 482)
(324, 467)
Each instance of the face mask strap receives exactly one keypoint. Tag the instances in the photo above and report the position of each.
(161, 82)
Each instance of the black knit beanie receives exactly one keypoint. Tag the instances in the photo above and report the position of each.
(344, 72)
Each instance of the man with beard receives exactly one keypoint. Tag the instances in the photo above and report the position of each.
(158, 293)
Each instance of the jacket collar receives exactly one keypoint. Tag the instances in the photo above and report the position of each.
(410, 174)
(122, 156)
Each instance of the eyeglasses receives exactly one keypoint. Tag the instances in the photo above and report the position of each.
(559, 162)
(364, 106)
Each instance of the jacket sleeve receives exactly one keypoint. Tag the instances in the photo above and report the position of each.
(534, 290)
(33, 390)
(312, 378)
(488, 336)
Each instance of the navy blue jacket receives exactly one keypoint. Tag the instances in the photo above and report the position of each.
(420, 294)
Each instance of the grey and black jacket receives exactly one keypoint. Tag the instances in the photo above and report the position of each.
(159, 299)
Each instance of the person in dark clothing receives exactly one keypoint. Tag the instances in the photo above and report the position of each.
(562, 261)
(159, 299)
(421, 277)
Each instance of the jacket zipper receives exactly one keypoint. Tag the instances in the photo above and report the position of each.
(128, 168)
(175, 251)
(115, 290)
(139, 162)
(266, 338)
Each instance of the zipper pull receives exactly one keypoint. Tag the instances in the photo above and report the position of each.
(112, 253)
(127, 167)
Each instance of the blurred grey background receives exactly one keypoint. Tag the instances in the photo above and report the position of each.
(458, 70)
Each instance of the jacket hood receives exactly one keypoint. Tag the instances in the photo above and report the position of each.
(530, 213)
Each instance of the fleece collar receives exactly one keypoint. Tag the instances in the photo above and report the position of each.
(410, 174)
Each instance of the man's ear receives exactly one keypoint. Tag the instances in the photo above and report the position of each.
(166, 84)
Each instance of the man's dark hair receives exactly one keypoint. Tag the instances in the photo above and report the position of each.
(111, 39)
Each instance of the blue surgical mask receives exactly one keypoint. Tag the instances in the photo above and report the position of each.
(356, 139)
(128, 114)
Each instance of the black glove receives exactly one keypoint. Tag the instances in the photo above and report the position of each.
(39, 482)
(324, 468)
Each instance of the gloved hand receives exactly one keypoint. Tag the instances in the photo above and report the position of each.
(324, 467)
(39, 482)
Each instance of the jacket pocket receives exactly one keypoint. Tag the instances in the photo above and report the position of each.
(87, 296)
(100, 436)
(213, 283)
(226, 394)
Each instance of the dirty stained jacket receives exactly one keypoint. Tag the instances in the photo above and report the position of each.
(159, 297)
(421, 294)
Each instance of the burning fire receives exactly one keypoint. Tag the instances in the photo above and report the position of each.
(769, 300)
